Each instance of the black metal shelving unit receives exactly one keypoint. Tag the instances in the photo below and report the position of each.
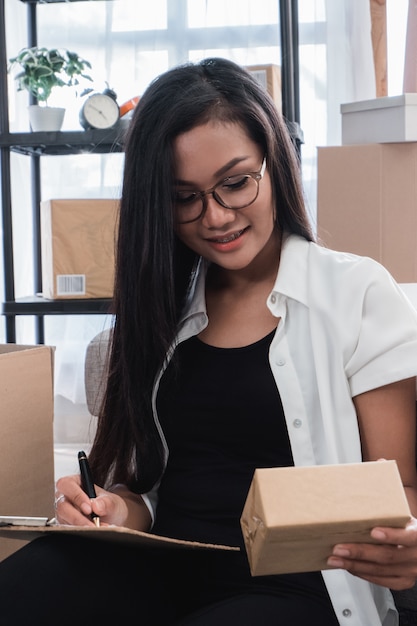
(35, 145)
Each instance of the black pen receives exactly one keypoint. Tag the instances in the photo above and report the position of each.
(87, 482)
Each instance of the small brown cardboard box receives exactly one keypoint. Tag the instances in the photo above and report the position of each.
(77, 244)
(270, 78)
(26, 434)
(367, 203)
(293, 516)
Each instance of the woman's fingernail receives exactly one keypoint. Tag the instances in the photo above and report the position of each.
(85, 508)
(378, 534)
(337, 551)
(98, 506)
(334, 562)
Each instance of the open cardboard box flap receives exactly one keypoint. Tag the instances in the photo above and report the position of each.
(293, 516)
(26, 433)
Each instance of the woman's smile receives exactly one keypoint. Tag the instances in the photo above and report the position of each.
(224, 241)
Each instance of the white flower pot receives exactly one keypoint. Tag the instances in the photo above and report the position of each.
(43, 118)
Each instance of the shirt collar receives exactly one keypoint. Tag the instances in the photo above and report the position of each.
(291, 280)
(196, 299)
(292, 277)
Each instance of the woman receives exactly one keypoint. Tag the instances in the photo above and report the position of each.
(238, 343)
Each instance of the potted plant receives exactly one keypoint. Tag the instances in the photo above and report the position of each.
(42, 70)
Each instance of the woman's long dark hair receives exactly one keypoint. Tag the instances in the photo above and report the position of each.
(153, 267)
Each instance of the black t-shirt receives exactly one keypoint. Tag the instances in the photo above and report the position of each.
(222, 416)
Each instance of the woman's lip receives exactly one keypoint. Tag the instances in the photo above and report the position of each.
(223, 239)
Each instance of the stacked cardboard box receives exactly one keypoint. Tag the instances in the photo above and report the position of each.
(367, 187)
(78, 245)
(367, 203)
(381, 120)
(270, 78)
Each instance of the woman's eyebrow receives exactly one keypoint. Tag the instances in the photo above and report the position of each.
(220, 172)
(229, 165)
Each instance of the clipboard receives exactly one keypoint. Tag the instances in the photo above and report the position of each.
(104, 533)
(18, 520)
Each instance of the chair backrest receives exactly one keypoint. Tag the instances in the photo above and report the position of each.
(95, 370)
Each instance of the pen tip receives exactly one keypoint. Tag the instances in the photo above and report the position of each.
(82, 454)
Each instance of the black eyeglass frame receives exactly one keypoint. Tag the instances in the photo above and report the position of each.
(200, 195)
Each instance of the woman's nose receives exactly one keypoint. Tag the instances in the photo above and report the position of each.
(215, 214)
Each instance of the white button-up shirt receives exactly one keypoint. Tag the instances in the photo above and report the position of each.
(345, 327)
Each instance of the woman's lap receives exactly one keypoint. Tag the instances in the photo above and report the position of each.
(256, 609)
(60, 578)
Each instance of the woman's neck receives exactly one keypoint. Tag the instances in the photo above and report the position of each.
(237, 301)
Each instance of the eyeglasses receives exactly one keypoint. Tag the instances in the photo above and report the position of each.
(234, 192)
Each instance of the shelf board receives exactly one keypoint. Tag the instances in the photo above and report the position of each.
(65, 142)
(36, 305)
(49, 1)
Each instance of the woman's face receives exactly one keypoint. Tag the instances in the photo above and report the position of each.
(204, 157)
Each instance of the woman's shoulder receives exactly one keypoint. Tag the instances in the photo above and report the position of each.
(342, 257)
(342, 264)
(354, 283)
(340, 283)
(331, 264)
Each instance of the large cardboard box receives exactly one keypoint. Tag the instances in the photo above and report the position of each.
(78, 244)
(293, 516)
(269, 76)
(26, 434)
(384, 119)
(367, 203)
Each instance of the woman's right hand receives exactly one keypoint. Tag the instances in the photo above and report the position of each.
(117, 506)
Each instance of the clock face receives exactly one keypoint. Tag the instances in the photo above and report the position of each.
(99, 111)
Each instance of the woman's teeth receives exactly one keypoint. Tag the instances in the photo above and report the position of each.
(230, 238)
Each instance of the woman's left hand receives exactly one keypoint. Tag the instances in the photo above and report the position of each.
(391, 562)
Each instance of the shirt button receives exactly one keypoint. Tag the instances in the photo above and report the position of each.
(281, 362)
(347, 613)
(273, 299)
(297, 423)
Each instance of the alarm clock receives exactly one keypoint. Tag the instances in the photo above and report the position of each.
(100, 110)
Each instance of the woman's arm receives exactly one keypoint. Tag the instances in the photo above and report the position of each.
(135, 514)
(387, 422)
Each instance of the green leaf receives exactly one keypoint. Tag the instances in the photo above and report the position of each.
(44, 69)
